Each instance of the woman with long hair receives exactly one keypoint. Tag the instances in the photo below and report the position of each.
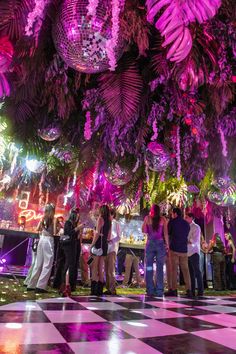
(230, 259)
(216, 248)
(101, 238)
(155, 226)
(45, 251)
(71, 249)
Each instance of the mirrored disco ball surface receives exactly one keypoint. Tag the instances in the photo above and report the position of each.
(117, 175)
(80, 40)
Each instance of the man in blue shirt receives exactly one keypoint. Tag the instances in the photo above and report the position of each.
(178, 230)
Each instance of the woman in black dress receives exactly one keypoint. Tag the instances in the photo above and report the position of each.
(71, 251)
(101, 238)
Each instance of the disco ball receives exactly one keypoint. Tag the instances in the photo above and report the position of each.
(80, 40)
(50, 133)
(215, 197)
(117, 175)
(157, 158)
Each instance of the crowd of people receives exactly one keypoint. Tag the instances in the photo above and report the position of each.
(176, 241)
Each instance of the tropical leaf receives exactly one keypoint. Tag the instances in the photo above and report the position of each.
(173, 22)
(121, 91)
(13, 17)
(228, 123)
(159, 63)
(133, 26)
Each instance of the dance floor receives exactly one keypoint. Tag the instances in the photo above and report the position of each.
(119, 325)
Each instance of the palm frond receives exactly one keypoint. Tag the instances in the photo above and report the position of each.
(13, 16)
(121, 91)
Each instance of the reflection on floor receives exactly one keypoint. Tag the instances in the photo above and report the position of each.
(119, 325)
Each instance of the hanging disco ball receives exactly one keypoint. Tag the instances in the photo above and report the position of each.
(157, 158)
(117, 175)
(80, 40)
(215, 197)
(50, 133)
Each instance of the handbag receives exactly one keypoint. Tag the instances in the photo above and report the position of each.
(97, 251)
(65, 239)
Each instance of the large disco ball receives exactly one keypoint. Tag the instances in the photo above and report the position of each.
(117, 175)
(50, 133)
(80, 40)
(157, 158)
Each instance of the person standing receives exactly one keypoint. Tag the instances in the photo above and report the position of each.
(45, 251)
(110, 260)
(230, 259)
(100, 241)
(155, 226)
(71, 251)
(194, 240)
(178, 230)
(217, 250)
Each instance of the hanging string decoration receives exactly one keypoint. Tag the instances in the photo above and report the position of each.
(178, 158)
(35, 18)
(81, 40)
(87, 127)
(223, 142)
(112, 43)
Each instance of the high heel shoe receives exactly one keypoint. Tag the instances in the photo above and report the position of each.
(67, 291)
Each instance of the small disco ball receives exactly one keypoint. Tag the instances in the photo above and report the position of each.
(81, 40)
(157, 158)
(50, 133)
(215, 197)
(117, 175)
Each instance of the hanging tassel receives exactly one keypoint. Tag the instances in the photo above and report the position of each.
(223, 142)
(178, 158)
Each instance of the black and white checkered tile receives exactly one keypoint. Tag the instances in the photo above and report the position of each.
(119, 325)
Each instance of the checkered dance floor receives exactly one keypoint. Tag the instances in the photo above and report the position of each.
(119, 325)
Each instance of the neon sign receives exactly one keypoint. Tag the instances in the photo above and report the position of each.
(31, 214)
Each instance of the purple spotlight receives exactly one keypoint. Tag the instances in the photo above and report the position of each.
(3, 260)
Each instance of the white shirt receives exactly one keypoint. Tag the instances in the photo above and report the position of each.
(113, 245)
(194, 237)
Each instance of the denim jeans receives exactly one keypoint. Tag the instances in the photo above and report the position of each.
(195, 272)
(155, 250)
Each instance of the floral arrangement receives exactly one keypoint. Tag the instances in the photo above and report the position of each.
(112, 43)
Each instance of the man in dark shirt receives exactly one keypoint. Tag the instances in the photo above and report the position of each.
(178, 230)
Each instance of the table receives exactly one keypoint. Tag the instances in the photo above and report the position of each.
(15, 245)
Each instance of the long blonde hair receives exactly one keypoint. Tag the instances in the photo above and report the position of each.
(48, 217)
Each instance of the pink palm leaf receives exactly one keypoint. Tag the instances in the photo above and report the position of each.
(174, 20)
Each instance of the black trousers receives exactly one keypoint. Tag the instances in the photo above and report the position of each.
(195, 273)
(72, 254)
(59, 267)
(229, 273)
